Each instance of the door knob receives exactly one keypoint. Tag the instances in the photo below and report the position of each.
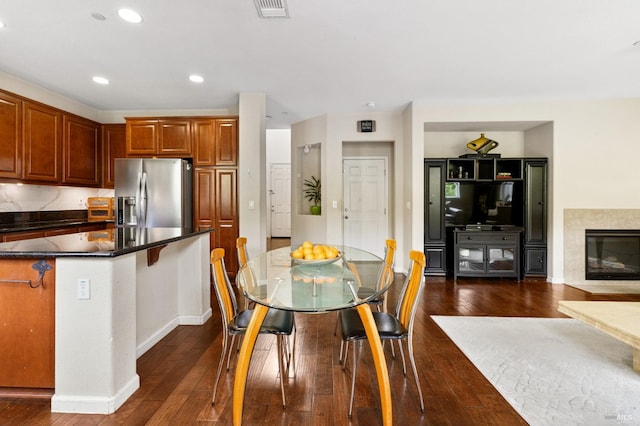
(346, 217)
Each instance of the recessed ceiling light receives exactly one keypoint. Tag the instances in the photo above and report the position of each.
(196, 78)
(100, 80)
(1, 24)
(371, 105)
(130, 16)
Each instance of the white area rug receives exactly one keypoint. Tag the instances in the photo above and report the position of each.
(553, 371)
(618, 288)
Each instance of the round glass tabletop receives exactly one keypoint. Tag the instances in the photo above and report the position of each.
(273, 279)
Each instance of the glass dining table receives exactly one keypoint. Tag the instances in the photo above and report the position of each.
(275, 280)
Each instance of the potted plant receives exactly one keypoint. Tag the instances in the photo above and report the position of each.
(313, 194)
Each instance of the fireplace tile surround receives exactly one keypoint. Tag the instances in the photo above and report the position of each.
(576, 221)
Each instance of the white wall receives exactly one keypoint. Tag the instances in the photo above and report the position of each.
(331, 131)
(251, 171)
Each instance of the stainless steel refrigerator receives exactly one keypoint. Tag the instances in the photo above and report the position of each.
(153, 192)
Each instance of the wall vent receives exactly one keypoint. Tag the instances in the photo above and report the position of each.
(272, 8)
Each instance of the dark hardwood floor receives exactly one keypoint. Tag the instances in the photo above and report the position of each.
(177, 374)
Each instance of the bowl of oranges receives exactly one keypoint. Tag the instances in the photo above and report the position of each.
(315, 254)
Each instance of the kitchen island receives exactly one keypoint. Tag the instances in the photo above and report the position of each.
(115, 293)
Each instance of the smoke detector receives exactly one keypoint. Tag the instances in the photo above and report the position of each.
(272, 8)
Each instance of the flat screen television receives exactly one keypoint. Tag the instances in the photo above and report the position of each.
(490, 203)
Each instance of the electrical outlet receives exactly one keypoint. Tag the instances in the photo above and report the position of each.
(84, 289)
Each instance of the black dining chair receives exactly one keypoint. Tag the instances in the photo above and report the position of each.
(397, 326)
(384, 278)
(235, 322)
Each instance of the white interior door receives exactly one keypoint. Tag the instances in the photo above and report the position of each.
(280, 200)
(365, 204)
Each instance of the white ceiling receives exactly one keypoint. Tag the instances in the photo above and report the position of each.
(329, 56)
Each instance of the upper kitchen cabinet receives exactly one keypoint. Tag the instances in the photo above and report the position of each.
(158, 137)
(114, 145)
(42, 143)
(215, 142)
(226, 142)
(81, 148)
(10, 136)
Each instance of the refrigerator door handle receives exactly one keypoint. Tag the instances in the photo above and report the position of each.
(143, 201)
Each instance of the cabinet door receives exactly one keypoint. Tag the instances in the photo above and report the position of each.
(27, 338)
(204, 136)
(204, 196)
(142, 137)
(226, 217)
(10, 136)
(535, 261)
(435, 256)
(536, 203)
(434, 199)
(82, 153)
(226, 144)
(174, 138)
(114, 145)
(42, 143)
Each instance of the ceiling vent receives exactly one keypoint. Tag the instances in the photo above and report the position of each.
(272, 8)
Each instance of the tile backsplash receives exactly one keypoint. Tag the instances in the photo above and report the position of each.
(19, 198)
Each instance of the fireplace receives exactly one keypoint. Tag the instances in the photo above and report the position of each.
(612, 254)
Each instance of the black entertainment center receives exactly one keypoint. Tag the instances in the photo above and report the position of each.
(485, 216)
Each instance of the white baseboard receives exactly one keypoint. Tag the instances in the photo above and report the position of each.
(156, 337)
(94, 404)
(195, 320)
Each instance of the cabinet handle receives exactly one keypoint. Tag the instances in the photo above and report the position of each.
(226, 226)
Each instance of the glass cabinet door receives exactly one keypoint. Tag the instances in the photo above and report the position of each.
(470, 259)
(501, 259)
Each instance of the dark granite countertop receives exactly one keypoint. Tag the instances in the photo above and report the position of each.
(105, 243)
(33, 221)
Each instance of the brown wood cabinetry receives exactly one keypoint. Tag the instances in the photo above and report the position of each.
(215, 142)
(82, 153)
(22, 235)
(216, 205)
(226, 142)
(158, 137)
(114, 145)
(226, 220)
(27, 338)
(42, 143)
(10, 136)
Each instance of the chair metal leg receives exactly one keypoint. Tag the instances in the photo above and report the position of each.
(281, 367)
(225, 339)
(415, 370)
(233, 339)
(404, 366)
(353, 378)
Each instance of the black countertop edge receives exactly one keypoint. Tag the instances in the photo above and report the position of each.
(100, 254)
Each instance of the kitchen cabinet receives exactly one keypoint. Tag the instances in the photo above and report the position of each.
(114, 145)
(10, 136)
(158, 137)
(216, 205)
(27, 336)
(215, 142)
(42, 143)
(226, 143)
(82, 152)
